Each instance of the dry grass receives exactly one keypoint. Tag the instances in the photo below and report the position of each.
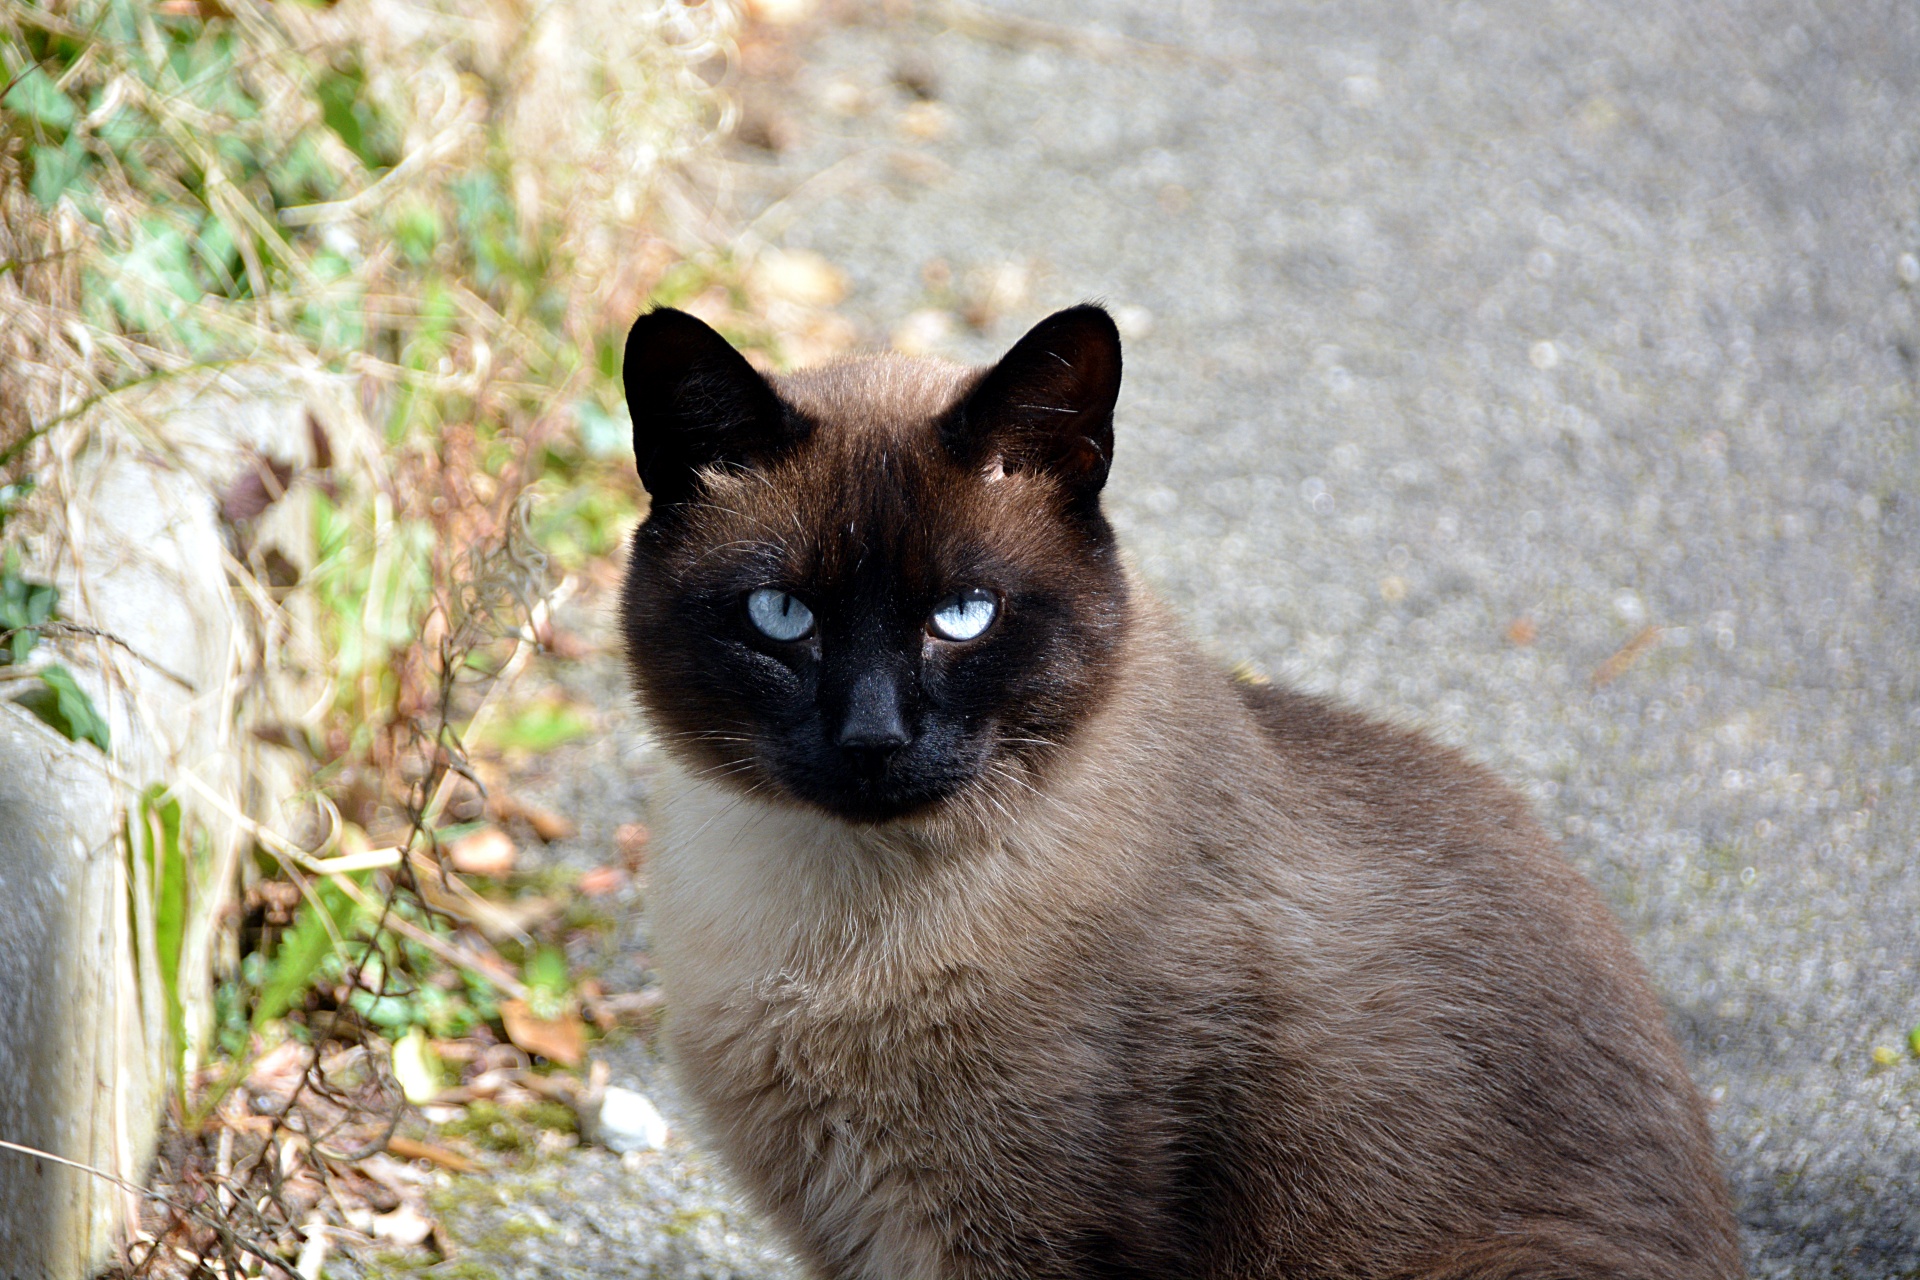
(437, 220)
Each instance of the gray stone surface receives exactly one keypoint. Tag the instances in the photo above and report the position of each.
(75, 1077)
(1597, 315)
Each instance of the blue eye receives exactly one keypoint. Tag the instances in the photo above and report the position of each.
(778, 615)
(964, 615)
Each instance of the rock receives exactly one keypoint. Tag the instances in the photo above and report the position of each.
(627, 1121)
(70, 1031)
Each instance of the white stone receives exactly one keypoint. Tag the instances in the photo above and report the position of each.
(628, 1121)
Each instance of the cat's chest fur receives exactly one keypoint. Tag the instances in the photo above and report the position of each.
(927, 1059)
(847, 961)
(844, 1052)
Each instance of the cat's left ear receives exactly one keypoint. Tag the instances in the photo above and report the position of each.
(695, 402)
(1048, 405)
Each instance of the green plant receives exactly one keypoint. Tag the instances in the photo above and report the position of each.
(159, 873)
(26, 608)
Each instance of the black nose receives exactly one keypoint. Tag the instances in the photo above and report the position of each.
(874, 726)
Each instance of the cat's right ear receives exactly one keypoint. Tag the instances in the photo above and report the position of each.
(695, 403)
(1047, 405)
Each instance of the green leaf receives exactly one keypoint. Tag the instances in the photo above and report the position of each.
(393, 1013)
(220, 264)
(35, 96)
(346, 109)
(538, 727)
(24, 606)
(55, 169)
(156, 836)
(12, 495)
(156, 284)
(545, 974)
(546, 970)
(304, 949)
(417, 230)
(65, 705)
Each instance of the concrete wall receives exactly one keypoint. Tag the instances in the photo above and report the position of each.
(78, 1070)
(131, 528)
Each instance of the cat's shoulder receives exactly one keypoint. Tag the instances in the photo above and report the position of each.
(1398, 781)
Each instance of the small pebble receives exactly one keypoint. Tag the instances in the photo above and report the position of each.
(629, 1122)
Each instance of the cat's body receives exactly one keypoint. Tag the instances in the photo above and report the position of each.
(1096, 964)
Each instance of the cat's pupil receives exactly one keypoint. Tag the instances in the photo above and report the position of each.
(778, 614)
(963, 616)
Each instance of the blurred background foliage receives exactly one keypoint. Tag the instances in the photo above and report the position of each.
(458, 208)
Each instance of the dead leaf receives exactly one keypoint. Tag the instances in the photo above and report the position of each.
(562, 1039)
(486, 852)
(546, 824)
(598, 882)
(398, 1177)
(631, 839)
(279, 1069)
(411, 1149)
(1629, 653)
(258, 486)
(317, 436)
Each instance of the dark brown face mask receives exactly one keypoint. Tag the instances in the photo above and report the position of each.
(864, 615)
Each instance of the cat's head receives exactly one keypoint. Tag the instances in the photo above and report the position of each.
(879, 585)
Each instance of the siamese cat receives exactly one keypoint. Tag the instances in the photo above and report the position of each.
(1006, 937)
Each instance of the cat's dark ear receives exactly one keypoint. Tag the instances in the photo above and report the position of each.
(1048, 404)
(695, 402)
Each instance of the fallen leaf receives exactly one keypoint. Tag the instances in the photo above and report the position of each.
(631, 839)
(597, 882)
(279, 1069)
(258, 486)
(546, 824)
(562, 1039)
(486, 852)
(396, 1176)
(1628, 654)
(412, 1149)
(322, 446)
(313, 1253)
